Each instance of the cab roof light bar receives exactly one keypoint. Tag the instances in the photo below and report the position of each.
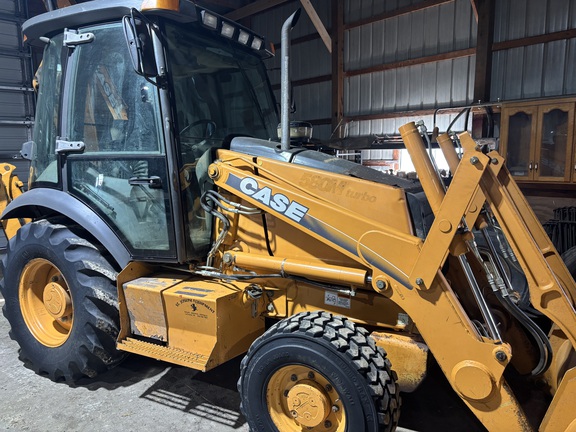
(232, 30)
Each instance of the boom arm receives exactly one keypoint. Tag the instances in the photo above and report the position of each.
(407, 270)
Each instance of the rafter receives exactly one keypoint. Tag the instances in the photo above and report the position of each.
(318, 24)
(254, 8)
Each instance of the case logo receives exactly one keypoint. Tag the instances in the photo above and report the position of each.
(278, 202)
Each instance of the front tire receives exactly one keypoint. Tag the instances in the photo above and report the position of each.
(61, 302)
(318, 372)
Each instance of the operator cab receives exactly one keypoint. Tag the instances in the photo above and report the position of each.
(133, 145)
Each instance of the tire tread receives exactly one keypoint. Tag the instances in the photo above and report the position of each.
(95, 278)
(356, 344)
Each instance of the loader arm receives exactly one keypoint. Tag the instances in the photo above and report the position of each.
(408, 270)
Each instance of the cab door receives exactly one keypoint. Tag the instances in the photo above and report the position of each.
(113, 154)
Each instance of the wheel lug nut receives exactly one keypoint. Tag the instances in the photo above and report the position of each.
(294, 377)
(328, 387)
(327, 424)
(311, 375)
(335, 408)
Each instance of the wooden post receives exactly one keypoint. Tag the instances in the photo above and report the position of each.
(485, 15)
(337, 67)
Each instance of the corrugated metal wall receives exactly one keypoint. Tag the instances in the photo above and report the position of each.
(427, 32)
(434, 30)
(308, 60)
(540, 70)
(16, 96)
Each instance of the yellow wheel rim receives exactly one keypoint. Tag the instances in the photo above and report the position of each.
(45, 302)
(301, 399)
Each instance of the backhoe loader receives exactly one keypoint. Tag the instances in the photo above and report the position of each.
(163, 218)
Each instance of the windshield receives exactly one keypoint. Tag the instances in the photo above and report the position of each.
(219, 89)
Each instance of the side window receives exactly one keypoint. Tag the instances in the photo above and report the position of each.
(113, 108)
(44, 166)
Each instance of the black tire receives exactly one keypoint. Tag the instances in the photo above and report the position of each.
(346, 360)
(569, 258)
(82, 343)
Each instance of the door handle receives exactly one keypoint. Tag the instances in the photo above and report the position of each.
(530, 166)
(153, 182)
(536, 166)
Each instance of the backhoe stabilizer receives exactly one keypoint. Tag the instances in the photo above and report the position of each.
(10, 188)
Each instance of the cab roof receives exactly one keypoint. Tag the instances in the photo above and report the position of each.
(96, 11)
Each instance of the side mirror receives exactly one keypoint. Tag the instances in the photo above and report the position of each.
(138, 33)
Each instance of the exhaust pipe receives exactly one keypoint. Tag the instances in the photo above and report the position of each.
(285, 80)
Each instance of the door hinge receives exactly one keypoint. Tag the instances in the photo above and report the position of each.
(74, 37)
(63, 146)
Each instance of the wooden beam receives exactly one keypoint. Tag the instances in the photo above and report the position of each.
(254, 8)
(410, 113)
(394, 13)
(390, 115)
(301, 39)
(474, 8)
(337, 66)
(317, 24)
(306, 81)
(533, 40)
(319, 122)
(228, 4)
(484, 39)
(412, 62)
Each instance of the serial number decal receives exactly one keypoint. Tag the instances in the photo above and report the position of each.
(333, 299)
(276, 201)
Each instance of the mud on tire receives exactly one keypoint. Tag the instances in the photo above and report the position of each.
(61, 302)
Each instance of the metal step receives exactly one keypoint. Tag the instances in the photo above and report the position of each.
(165, 353)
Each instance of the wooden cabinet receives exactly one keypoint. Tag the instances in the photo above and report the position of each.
(537, 140)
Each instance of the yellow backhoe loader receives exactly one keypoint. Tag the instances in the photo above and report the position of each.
(164, 219)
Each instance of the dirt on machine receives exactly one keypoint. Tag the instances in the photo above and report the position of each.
(163, 217)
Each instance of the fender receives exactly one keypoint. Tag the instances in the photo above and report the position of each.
(37, 203)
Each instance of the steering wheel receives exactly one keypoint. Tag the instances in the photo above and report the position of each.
(210, 127)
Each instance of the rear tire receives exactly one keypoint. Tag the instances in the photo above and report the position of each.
(61, 302)
(318, 372)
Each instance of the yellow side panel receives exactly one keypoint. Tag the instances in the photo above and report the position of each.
(145, 307)
(217, 321)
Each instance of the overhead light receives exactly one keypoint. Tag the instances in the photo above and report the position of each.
(257, 43)
(209, 20)
(243, 37)
(227, 30)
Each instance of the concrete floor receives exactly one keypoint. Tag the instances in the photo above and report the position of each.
(144, 395)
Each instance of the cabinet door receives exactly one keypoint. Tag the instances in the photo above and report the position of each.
(518, 138)
(554, 143)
